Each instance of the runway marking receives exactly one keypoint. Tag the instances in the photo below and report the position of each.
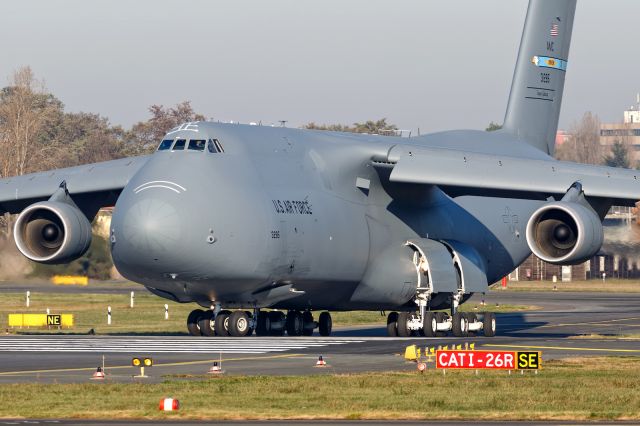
(603, 322)
(565, 348)
(164, 345)
(168, 364)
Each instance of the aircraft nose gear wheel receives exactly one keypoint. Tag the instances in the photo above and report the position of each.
(206, 324)
(221, 324)
(192, 322)
(392, 324)
(325, 324)
(489, 324)
(460, 324)
(239, 324)
(430, 324)
(263, 324)
(295, 324)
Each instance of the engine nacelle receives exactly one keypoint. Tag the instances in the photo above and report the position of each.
(564, 233)
(52, 232)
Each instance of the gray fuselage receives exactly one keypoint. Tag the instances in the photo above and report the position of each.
(298, 207)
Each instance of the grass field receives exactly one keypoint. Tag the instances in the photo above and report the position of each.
(579, 389)
(609, 286)
(147, 315)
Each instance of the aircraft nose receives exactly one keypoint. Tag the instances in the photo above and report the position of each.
(152, 226)
(148, 232)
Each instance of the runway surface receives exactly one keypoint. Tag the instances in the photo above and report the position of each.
(557, 330)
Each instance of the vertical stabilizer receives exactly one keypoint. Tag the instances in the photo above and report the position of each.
(538, 81)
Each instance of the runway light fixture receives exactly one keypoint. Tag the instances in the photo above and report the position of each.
(148, 362)
(136, 362)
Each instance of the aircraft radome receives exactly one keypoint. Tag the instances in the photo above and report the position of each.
(239, 219)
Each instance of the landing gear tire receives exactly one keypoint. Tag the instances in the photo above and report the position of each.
(392, 324)
(307, 323)
(263, 324)
(276, 323)
(239, 324)
(403, 329)
(459, 324)
(489, 324)
(429, 324)
(221, 324)
(192, 322)
(325, 324)
(206, 324)
(471, 318)
(440, 318)
(294, 323)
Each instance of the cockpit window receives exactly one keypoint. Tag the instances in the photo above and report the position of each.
(165, 144)
(214, 146)
(197, 144)
(179, 145)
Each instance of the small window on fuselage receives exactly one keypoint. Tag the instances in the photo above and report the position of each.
(197, 144)
(179, 145)
(165, 144)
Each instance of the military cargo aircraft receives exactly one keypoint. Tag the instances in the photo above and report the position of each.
(250, 222)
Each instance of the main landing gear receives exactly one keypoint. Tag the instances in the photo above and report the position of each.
(438, 324)
(218, 322)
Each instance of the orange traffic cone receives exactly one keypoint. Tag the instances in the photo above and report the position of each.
(321, 362)
(169, 404)
(215, 369)
(98, 375)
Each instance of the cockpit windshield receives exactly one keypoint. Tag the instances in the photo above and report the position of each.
(212, 146)
(165, 144)
(179, 145)
(197, 144)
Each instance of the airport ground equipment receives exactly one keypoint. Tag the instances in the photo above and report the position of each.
(265, 227)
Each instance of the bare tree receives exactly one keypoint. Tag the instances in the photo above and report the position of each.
(25, 107)
(583, 144)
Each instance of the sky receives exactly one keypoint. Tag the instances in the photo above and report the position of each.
(427, 65)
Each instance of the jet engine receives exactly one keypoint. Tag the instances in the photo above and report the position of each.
(52, 232)
(564, 233)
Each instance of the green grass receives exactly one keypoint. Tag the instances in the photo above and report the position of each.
(582, 389)
(609, 286)
(147, 315)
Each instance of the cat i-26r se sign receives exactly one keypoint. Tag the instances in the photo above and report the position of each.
(497, 360)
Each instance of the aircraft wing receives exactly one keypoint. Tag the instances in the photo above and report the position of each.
(459, 173)
(88, 181)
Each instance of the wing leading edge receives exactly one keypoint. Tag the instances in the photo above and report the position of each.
(88, 181)
(460, 173)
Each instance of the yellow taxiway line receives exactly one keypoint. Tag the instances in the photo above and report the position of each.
(564, 348)
(169, 364)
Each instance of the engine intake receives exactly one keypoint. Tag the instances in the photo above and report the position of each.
(564, 233)
(52, 232)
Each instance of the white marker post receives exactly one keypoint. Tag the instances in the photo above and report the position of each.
(28, 301)
(108, 315)
(48, 311)
(132, 297)
(166, 311)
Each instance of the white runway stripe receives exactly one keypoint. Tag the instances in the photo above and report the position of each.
(161, 345)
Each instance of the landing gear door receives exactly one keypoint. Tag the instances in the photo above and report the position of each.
(437, 263)
(474, 277)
